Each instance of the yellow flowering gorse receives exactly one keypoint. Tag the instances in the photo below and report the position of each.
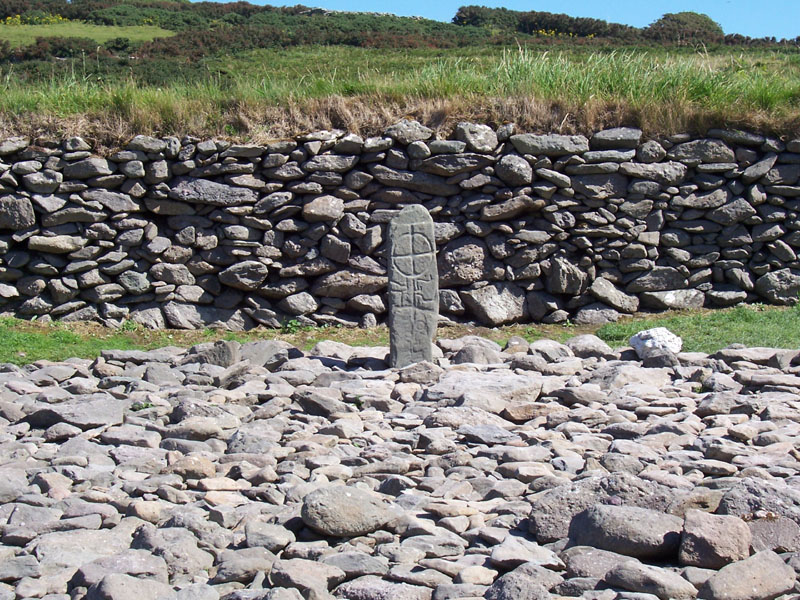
(33, 19)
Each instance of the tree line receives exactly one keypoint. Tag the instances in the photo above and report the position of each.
(683, 28)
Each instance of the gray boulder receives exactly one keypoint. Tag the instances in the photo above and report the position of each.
(779, 287)
(466, 260)
(618, 137)
(323, 208)
(113, 201)
(528, 581)
(550, 144)
(774, 533)
(586, 561)
(13, 145)
(629, 530)
(712, 541)
(136, 563)
(703, 201)
(371, 587)
(85, 414)
(732, 212)
(146, 143)
(552, 511)
(347, 283)
(673, 299)
(343, 511)
(331, 163)
(763, 576)
(669, 173)
(600, 187)
(87, 168)
(202, 191)
(514, 170)
(750, 495)
(478, 137)
(16, 212)
(650, 152)
(604, 290)
(448, 165)
(511, 208)
(407, 131)
(426, 183)
(647, 579)
(565, 278)
(222, 353)
(496, 303)
(118, 586)
(246, 275)
(596, 313)
(43, 182)
(702, 151)
(658, 279)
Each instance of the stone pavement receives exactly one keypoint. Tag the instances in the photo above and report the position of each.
(538, 471)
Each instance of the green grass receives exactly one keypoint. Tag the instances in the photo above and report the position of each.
(280, 91)
(23, 342)
(24, 35)
(710, 331)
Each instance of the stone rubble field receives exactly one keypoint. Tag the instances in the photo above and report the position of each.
(537, 471)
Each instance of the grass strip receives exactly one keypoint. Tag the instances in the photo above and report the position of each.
(24, 342)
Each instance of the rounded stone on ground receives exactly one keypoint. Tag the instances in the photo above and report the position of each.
(343, 511)
(763, 576)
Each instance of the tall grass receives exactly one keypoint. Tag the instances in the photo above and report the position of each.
(641, 78)
(653, 88)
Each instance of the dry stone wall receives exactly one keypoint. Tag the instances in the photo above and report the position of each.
(195, 233)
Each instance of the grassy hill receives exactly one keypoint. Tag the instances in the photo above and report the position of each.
(250, 71)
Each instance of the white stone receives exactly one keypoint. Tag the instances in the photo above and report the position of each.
(659, 338)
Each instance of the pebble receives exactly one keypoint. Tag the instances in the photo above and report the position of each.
(320, 475)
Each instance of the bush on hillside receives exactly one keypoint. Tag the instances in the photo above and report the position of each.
(120, 45)
(60, 47)
(127, 15)
(685, 28)
(482, 16)
(533, 22)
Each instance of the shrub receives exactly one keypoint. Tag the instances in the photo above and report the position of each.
(482, 16)
(40, 17)
(685, 28)
(120, 45)
(539, 23)
(58, 47)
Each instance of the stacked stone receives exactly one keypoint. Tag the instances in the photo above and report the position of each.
(189, 233)
(536, 471)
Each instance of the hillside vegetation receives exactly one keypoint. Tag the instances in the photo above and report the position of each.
(109, 68)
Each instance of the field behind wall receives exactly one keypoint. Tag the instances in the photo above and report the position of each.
(266, 93)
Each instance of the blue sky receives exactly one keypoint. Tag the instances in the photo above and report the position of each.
(756, 18)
